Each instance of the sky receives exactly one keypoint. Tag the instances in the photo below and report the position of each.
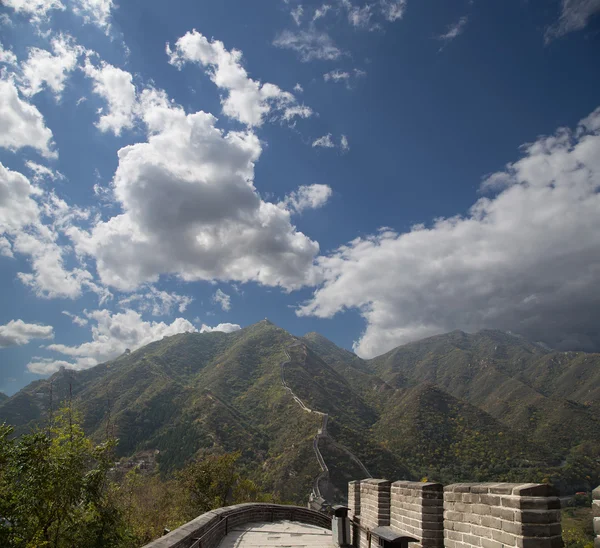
(378, 171)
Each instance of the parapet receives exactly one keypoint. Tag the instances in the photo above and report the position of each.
(463, 515)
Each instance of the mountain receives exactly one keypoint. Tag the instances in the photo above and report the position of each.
(488, 406)
(3, 397)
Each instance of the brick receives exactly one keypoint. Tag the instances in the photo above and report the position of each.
(472, 540)
(490, 521)
(596, 508)
(504, 537)
(511, 527)
(492, 500)
(481, 509)
(539, 503)
(489, 543)
(481, 531)
(535, 490)
(539, 516)
(550, 542)
(541, 530)
(597, 526)
(462, 527)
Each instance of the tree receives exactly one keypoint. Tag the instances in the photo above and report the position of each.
(212, 481)
(54, 490)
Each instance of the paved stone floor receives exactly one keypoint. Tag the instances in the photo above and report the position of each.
(280, 534)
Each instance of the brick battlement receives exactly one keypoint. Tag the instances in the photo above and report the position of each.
(463, 515)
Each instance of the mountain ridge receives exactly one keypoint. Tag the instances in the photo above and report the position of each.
(451, 407)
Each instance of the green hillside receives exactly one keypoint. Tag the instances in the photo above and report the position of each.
(488, 406)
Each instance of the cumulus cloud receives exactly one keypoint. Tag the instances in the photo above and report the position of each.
(21, 219)
(575, 15)
(155, 301)
(298, 88)
(44, 68)
(17, 332)
(309, 44)
(189, 208)
(7, 56)
(22, 123)
(116, 87)
(247, 100)
(222, 299)
(95, 12)
(112, 333)
(37, 10)
(223, 327)
(526, 259)
(307, 197)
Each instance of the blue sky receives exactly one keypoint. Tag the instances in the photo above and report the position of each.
(378, 171)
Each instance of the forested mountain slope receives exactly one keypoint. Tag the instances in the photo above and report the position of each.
(488, 406)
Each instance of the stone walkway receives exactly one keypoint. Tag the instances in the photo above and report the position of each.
(281, 534)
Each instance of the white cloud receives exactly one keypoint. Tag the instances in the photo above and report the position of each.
(112, 333)
(361, 17)
(18, 207)
(5, 248)
(336, 76)
(189, 208)
(22, 123)
(21, 220)
(341, 76)
(77, 320)
(309, 44)
(575, 15)
(96, 12)
(159, 303)
(344, 145)
(36, 9)
(50, 69)
(298, 88)
(454, 30)
(393, 9)
(307, 197)
(17, 332)
(222, 299)
(247, 100)
(321, 11)
(41, 172)
(224, 327)
(116, 87)
(526, 259)
(325, 142)
(7, 56)
(297, 14)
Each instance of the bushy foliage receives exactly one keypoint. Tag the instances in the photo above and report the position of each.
(54, 490)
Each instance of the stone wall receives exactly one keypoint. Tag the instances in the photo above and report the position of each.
(466, 515)
(499, 515)
(417, 511)
(596, 514)
(213, 526)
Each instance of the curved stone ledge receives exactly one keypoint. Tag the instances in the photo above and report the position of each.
(215, 524)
